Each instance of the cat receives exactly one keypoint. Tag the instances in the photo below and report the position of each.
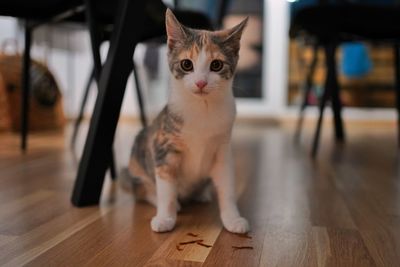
(189, 142)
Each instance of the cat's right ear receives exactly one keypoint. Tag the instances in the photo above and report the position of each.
(175, 31)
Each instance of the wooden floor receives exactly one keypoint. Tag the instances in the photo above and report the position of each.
(341, 210)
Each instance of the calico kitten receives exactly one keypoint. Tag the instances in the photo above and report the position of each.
(189, 142)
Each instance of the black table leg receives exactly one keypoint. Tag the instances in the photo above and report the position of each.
(26, 66)
(96, 156)
(306, 94)
(335, 91)
(397, 87)
(139, 96)
(95, 41)
(82, 109)
(329, 50)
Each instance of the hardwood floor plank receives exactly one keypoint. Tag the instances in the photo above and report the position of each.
(322, 245)
(35, 215)
(383, 245)
(348, 249)
(13, 208)
(327, 206)
(22, 254)
(374, 221)
(173, 263)
(288, 247)
(6, 239)
(135, 244)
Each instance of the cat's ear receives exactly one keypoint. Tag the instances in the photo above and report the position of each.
(235, 33)
(175, 30)
(231, 37)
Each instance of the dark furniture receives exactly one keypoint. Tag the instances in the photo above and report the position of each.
(329, 25)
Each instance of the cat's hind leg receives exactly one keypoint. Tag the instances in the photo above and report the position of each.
(205, 195)
(135, 179)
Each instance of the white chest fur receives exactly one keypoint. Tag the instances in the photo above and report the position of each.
(207, 124)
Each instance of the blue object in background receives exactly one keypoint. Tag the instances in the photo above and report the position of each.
(355, 60)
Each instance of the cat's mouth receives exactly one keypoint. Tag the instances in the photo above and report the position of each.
(201, 93)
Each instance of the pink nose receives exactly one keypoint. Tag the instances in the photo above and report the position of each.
(201, 84)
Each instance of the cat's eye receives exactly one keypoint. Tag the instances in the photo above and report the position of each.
(216, 65)
(187, 65)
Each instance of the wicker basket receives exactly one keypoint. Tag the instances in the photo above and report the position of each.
(5, 118)
(45, 110)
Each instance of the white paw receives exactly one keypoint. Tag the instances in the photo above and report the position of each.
(238, 225)
(162, 224)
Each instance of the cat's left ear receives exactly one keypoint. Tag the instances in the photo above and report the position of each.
(235, 33)
(230, 38)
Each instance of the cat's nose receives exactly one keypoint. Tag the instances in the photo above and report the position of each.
(201, 84)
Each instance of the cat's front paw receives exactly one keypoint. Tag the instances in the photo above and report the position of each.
(162, 224)
(238, 225)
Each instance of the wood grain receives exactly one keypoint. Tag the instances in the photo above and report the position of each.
(341, 210)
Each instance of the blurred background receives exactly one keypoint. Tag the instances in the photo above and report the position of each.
(366, 70)
(271, 72)
(65, 49)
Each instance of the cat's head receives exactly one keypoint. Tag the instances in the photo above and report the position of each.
(200, 61)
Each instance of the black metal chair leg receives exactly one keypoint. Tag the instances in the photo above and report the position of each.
(322, 104)
(25, 86)
(127, 32)
(307, 89)
(397, 87)
(335, 94)
(82, 109)
(139, 96)
(326, 96)
(95, 41)
(113, 168)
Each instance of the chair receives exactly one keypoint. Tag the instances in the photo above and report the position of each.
(35, 13)
(331, 25)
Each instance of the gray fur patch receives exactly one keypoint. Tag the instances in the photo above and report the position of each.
(230, 50)
(141, 153)
(170, 124)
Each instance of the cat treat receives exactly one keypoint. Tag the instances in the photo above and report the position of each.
(192, 235)
(191, 242)
(203, 245)
(242, 247)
